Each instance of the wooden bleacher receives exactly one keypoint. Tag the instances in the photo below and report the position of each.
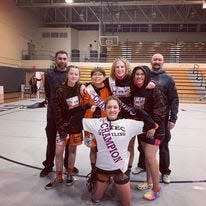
(187, 52)
(188, 87)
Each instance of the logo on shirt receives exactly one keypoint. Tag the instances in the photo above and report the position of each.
(121, 91)
(139, 102)
(73, 102)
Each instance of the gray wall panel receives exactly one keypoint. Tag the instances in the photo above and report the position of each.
(12, 78)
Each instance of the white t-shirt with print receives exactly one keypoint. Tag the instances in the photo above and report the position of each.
(112, 141)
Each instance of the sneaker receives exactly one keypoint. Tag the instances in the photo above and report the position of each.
(138, 170)
(53, 184)
(70, 180)
(144, 186)
(166, 179)
(151, 195)
(95, 201)
(74, 172)
(45, 172)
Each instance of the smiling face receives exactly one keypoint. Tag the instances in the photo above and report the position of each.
(112, 109)
(61, 61)
(73, 76)
(157, 62)
(139, 77)
(97, 79)
(120, 70)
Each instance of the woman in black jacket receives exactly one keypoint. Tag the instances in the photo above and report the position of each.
(68, 114)
(152, 101)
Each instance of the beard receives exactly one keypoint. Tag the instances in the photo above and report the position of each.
(61, 66)
(156, 66)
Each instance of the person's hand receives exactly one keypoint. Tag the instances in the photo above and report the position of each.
(132, 112)
(171, 125)
(150, 133)
(93, 108)
(91, 144)
(89, 140)
(83, 89)
(151, 85)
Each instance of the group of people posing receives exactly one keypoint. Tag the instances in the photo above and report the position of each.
(109, 113)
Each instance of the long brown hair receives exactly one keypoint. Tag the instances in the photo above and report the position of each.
(112, 98)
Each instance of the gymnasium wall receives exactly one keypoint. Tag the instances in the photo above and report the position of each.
(12, 78)
(55, 40)
(17, 28)
(87, 38)
(75, 39)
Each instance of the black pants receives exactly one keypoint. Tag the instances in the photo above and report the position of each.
(51, 133)
(164, 153)
(141, 162)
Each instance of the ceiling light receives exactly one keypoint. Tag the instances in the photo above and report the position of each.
(204, 4)
(69, 1)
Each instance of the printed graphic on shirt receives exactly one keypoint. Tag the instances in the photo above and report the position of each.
(139, 102)
(104, 131)
(73, 102)
(116, 130)
(121, 91)
(112, 140)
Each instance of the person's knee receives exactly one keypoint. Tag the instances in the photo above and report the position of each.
(99, 190)
(121, 179)
(150, 159)
(59, 150)
(72, 149)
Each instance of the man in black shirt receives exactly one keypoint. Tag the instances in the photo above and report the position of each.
(167, 85)
(53, 79)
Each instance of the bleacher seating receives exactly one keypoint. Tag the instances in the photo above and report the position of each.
(181, 52)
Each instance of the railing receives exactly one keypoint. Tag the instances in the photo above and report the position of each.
(37, 55)
(199, 76)
(187, 52)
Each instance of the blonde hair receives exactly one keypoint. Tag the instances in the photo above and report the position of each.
(126, 63)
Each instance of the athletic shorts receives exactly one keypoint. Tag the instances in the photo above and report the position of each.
(75, 139)
(153, 141)
(72, 139)
(60, 141)
(118, 176)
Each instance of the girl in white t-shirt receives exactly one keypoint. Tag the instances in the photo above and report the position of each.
(113, 136)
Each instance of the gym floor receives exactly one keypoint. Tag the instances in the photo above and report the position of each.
(22, 150)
